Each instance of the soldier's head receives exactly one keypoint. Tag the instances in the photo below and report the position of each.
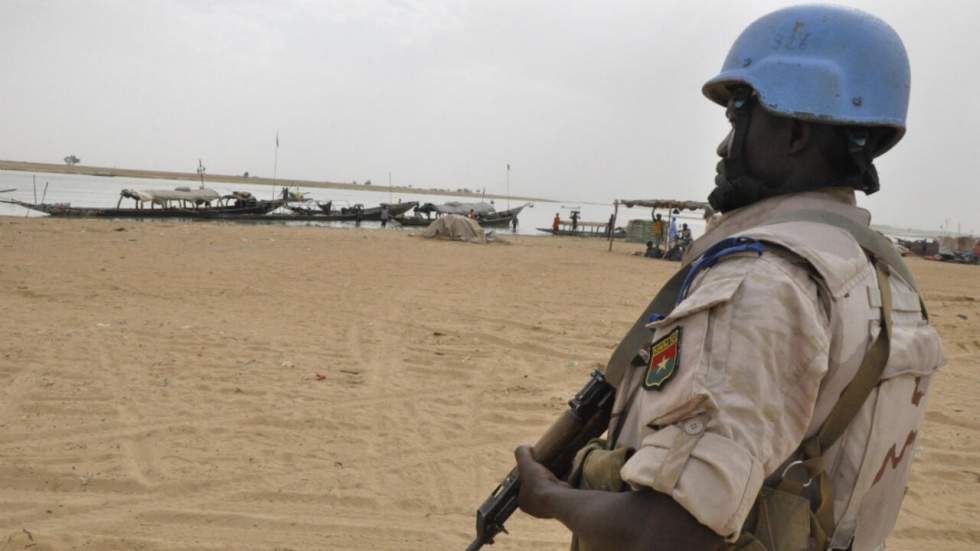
(814, 94)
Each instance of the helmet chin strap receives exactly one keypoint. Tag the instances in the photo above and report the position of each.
(736, 188)
(864, 175)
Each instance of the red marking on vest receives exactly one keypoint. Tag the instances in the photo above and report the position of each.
(894, 459)
(916, 395)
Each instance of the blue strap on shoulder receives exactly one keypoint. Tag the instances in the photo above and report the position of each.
(723, 248)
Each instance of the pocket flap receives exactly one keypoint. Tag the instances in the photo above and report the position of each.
(721, 290)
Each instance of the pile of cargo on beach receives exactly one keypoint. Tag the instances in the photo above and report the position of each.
(961, 249)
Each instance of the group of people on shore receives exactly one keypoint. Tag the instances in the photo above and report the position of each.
(667, 240)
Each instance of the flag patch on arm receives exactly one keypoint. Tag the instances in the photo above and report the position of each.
(665, 358)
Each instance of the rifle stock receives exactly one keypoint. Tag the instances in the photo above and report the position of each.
(587, 417)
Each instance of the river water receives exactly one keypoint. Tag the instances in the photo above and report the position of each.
(100, 191)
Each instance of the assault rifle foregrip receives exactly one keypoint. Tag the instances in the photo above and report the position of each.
(587, 417)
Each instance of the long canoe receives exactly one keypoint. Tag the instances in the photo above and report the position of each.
(64, 210)
(492, 219)
(372, 214)
(485, 221)
(618, 234)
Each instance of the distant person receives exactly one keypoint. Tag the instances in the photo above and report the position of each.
(684, 236)
(652, 252)
(658, 230)
(675, 253)
(680, 244)
(610, 224)
(513, 224)
(471, 215)
(575, 216)
(358, 215)
(672, 230)
(556, 224)
(385, 216)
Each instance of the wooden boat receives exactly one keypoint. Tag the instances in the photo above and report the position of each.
(347, 214)
(586, 229)
(490, 219)
(182, 202)
(455, 207)
(486, 221)
(344, 215)
(321, 208)
(203, 212)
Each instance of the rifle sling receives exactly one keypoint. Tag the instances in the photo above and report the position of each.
(639, 335)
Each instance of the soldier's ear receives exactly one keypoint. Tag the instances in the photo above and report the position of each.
(799, 135)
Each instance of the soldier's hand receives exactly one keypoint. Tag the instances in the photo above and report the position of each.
(536, 482)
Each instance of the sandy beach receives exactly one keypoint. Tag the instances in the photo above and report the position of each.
(179, 386)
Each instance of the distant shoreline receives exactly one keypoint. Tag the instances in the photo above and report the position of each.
(25, 166)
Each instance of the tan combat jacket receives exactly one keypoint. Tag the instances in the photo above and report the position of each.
(751, 361)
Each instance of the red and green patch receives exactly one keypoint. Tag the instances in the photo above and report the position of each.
(665, 359)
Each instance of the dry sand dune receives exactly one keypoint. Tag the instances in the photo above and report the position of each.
(207, 386)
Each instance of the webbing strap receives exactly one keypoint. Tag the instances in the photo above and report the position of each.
(869, 239)
(867, 376)
(843, 412)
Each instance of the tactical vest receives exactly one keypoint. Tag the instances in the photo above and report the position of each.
(795, 509)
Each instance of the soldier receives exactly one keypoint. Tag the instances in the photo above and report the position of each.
(780, 399)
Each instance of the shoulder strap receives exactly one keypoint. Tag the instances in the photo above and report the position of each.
(869, 239)
(840, 417)
(867, 376)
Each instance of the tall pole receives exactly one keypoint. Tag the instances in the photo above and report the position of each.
(508, 186)
(200, 171)
(275, 166)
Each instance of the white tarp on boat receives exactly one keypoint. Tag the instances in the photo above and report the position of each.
(164, 195)
(455, 207)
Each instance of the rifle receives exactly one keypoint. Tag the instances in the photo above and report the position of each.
(587, 417)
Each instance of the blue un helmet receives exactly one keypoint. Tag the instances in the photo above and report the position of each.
(825, 64)
(828, 64)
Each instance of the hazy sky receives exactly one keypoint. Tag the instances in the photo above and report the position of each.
(588, 101)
